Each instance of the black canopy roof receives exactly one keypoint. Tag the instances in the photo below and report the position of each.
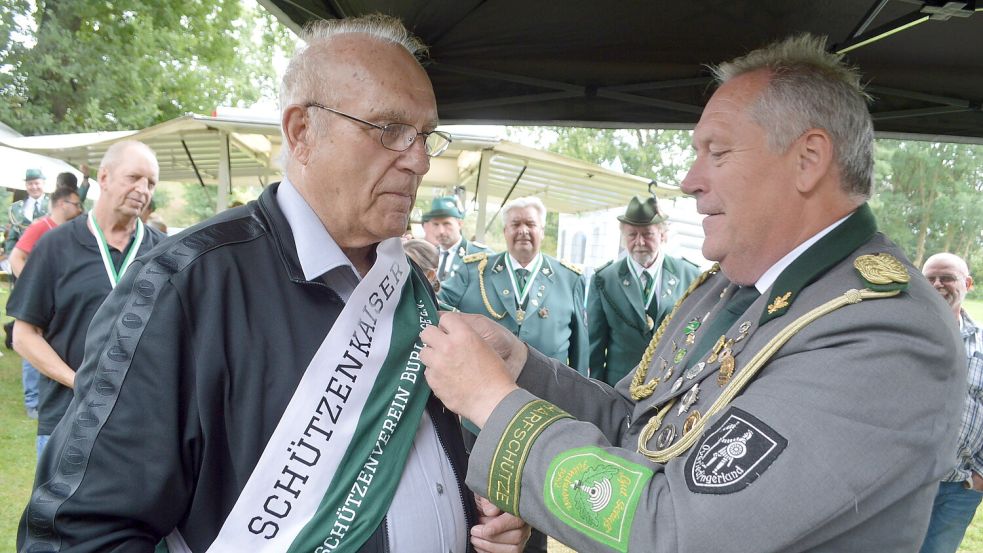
(625, 63)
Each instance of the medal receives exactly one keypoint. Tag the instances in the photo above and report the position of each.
(544, 313)
(679, 355)
(694, 371)
(692, 326)
(690, 339)
(520, 315)
(727, 365)
(666, 436)
(691, 421)
(689, 398)
(676, 386)
(651, 323)
(716, 349)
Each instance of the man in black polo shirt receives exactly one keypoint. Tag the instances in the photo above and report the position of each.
(73, 268)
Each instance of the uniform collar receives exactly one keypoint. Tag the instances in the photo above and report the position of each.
(833, 247)
(653, 270)
(771, 275)
(317, 251)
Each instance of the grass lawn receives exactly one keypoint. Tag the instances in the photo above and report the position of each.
(17, 451)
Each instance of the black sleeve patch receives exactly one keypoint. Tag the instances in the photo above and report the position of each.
(733, 453)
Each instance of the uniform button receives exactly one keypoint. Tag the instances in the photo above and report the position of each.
(440, 488)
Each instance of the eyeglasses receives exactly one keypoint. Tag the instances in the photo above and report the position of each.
(398, 137)
(76, 204)
(944, 279)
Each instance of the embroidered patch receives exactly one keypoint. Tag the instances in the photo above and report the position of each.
(505, 475)
(595, 493)
(735, 451)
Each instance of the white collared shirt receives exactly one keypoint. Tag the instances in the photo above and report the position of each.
(771, 275)
(654, 271)
(427, 511)
(29, 208)
(448, 260)
(532, 263)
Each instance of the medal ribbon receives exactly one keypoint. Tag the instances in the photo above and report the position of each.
(107, 259)
(521, 295)
(328, 473)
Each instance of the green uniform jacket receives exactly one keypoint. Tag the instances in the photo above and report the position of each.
(464, 249)
(18, 222)
(619, 326)
(837, 444)
(554, 315)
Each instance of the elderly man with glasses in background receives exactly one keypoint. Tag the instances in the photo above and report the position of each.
(257, 376)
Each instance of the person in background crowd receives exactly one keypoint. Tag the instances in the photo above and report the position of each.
(23, 212)
(804, 395)
(960, 490)
(628, 298)
(445, 220)
(73, 268)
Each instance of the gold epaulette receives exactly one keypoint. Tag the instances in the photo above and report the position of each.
(474, 257)
(575, 268)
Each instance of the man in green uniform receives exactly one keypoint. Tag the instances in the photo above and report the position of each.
(629, 297)
(24, 212)
(445, 219)
(537, 297)
(804, 396)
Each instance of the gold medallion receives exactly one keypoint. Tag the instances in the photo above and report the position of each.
(651, 323)
(691, 420)
(727, 365)
(520, 315)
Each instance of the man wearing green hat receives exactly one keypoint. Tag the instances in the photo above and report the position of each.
(444, 221)
(629, 297)
(24, 212)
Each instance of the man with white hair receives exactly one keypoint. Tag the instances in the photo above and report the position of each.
(960, 490)
(535, 296)
(805, 393)
(254, 383)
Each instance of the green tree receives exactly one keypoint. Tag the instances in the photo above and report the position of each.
(658, 154)
(929, 198)
(87, 65)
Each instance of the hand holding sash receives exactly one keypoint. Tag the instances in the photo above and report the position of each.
(466, 373)
(498, 531)
(512, 350)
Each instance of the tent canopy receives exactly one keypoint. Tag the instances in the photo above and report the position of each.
(638, 63)
(244, 150)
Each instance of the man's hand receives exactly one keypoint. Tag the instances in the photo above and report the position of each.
(977, 481)
(462, 370)
(505, 344)
(498, 531)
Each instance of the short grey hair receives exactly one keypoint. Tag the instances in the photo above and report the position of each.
(303, 77)
(117, 151)
(522, 203)
(423, 253)
(812, 88)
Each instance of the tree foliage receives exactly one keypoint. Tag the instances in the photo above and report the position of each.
(929, 198)
(87, 65)
(658, 154)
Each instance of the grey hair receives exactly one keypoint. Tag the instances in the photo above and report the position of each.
(303, 77)
(812, 88)
(522, 203)
(116, 152)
